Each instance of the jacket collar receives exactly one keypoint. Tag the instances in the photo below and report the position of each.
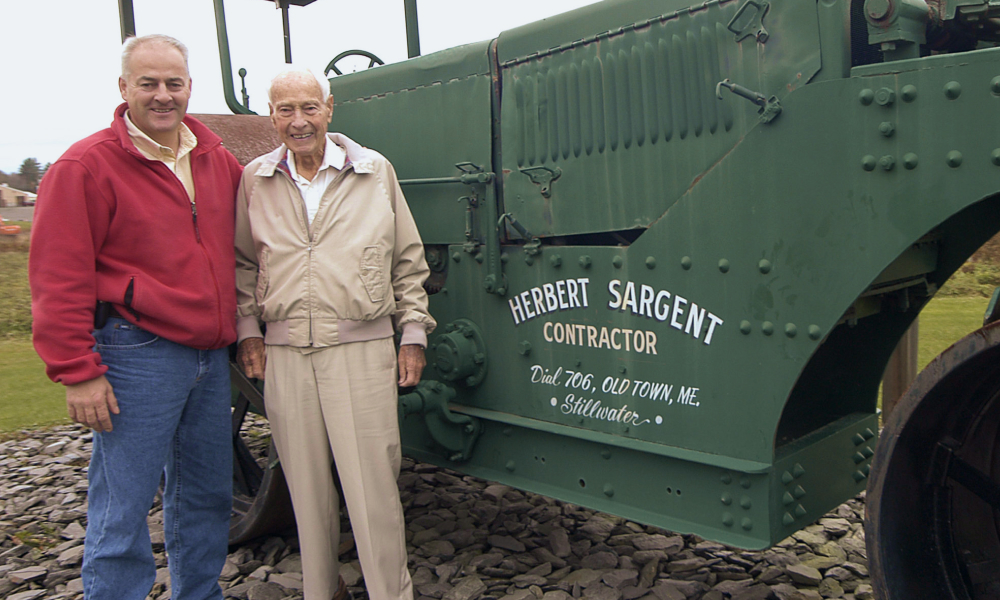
(359, 158)
(207, 140)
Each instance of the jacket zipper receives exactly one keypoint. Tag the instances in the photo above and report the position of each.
(194, 218)
(197, 235)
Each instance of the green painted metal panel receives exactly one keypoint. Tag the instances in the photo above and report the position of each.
(425, 115)
(628, 110)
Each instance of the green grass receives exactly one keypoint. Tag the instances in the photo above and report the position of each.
(29, 399)
(972, 280)
(945, 320)
(15, 298)
(25, 225)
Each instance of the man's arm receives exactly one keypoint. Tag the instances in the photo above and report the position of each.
(409, 270)
(70, 224)
(251, 353)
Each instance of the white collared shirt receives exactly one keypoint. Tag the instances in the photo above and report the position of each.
(179, 163)
(312, 192)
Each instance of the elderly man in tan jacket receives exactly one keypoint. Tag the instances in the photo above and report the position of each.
(328, 258)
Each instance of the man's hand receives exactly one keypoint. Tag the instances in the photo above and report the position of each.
(411, 364)
(92, 403)
(252, 356)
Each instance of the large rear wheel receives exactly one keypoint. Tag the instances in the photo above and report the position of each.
(261, 503)
(933, 501)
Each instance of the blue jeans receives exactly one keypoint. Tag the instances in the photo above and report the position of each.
(174, 419)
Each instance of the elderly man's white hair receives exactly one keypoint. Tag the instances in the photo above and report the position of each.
(297, 73)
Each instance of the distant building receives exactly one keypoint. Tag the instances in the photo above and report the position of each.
(13, 197)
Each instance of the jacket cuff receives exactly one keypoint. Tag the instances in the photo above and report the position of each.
(247, 327)
(72, 377)
(414, 333)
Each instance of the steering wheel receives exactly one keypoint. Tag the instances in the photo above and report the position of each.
(332, 66)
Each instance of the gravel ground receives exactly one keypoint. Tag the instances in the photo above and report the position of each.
(468, 539)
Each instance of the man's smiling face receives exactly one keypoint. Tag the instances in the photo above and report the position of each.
(300, 115)
(157, 88)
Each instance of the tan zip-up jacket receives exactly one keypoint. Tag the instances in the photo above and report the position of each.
(348, 276)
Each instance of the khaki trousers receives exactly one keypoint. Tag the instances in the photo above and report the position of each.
(340, 402)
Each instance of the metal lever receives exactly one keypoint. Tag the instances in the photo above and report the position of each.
(755, 97)
(770, 108)
(514, 223)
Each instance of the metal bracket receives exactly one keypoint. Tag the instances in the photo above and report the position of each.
(543, 176)
(473, 174)
(770, 108)
(456, 433)
(749, 21)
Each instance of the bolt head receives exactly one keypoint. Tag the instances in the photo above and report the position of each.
(878, 9)
(885, 96)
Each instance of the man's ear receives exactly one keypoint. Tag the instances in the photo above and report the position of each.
(122, 87)
(329, 105)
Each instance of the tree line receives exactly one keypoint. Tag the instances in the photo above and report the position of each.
(27, 176)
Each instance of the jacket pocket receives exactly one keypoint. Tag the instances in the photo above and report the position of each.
(262, 275)
(130, 298)
(120, 335)
(371, 273)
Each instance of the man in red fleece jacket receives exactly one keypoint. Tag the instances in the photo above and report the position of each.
(133, 299)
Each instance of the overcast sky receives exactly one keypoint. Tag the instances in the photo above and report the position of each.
(60, 59)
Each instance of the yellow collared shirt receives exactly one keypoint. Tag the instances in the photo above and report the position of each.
(179, 163)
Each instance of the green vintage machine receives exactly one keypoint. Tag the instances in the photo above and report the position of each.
(673, 247)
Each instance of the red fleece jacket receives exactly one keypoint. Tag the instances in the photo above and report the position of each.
(112, 225)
